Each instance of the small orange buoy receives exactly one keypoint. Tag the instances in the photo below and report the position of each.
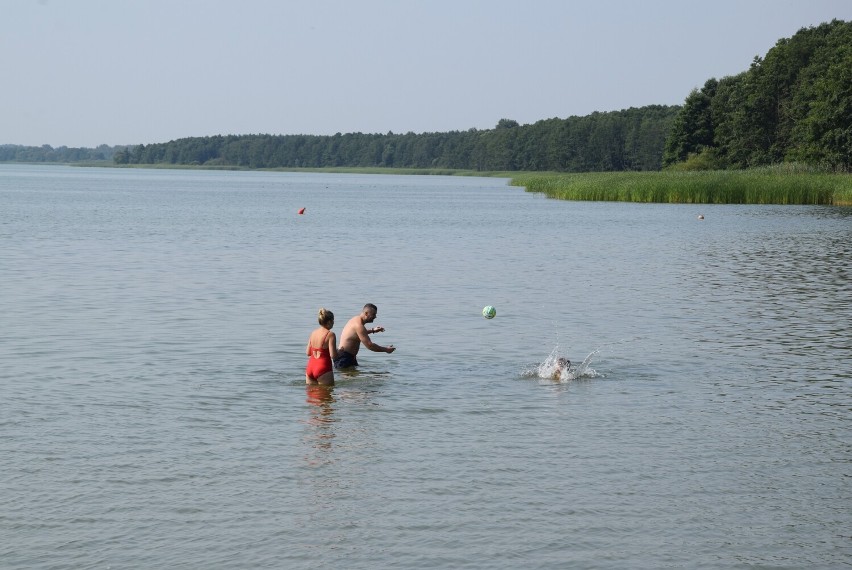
(301, 211)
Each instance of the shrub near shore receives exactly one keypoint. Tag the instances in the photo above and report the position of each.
(758, 186)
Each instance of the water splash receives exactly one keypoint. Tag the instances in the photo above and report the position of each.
(557, 368)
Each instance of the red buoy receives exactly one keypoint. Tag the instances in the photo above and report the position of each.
(302, 211)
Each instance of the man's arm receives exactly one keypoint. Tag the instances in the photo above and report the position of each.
(363, 336)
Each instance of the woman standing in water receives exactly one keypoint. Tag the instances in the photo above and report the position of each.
(322, 348)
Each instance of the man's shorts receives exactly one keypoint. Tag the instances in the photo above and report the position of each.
(345, 360)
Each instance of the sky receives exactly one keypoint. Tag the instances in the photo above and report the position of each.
(81, 73)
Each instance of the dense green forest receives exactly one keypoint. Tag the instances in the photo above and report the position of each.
(793, 105)
(631, 139)
(46, 153)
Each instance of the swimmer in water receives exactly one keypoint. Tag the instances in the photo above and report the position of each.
(321, 351)
(562, 364)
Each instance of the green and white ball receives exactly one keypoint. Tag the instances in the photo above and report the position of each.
(489, 312)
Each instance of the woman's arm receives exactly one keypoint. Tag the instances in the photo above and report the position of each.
(332, 345)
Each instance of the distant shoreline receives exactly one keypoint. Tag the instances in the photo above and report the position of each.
(785, 184)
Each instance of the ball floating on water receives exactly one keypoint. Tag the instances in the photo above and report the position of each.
(489, 312)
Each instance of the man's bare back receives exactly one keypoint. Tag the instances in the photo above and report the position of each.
(355, 333)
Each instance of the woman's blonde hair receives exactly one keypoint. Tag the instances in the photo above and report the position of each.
(325, 316)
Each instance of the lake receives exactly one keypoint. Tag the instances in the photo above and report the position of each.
(154, 414)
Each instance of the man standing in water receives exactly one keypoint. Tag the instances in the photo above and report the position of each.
(354, 334)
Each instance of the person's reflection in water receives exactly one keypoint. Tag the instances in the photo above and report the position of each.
(321, 420)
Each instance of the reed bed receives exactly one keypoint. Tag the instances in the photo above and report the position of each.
(758, 186)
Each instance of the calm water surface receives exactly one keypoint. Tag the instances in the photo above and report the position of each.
(153, 410)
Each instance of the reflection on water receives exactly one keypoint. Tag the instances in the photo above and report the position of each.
(319, 434)
(328, 434)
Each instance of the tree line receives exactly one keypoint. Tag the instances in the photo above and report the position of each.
(46, 153)
(793, 105)
(631, 139)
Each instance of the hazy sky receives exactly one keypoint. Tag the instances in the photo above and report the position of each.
(90, 72)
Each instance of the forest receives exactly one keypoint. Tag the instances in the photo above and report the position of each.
(794, 105)
(46, 153)
(631, 139)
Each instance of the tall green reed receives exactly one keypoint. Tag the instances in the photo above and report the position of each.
(766, 186)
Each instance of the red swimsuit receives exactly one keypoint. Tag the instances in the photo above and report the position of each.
(319, 362)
